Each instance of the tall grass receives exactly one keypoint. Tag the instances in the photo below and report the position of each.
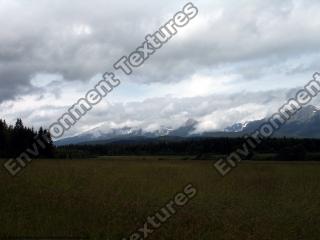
(109, 198)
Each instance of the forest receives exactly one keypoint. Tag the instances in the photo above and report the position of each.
(277, 149)
(17, 138)
(14, 139)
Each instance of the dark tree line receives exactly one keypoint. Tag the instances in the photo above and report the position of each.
(16, 139)
(284, 148)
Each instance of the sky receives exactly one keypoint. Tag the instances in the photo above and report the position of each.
(236, 61)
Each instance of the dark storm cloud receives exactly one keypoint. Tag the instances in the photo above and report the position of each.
(74, 39)
(79, 39)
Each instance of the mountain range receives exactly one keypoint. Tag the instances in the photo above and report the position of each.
(304, 124)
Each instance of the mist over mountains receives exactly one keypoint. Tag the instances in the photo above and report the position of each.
(304, 124)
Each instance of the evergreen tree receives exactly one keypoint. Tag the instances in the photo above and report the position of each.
(16, 139)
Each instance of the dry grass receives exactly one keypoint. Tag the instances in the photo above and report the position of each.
(109, 198)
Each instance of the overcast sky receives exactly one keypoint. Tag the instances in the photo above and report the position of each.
(236, 61)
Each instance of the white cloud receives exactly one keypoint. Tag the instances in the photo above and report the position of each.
(52, 52)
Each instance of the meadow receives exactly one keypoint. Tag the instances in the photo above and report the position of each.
(110, 197)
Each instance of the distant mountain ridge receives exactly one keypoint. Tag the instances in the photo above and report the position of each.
(97, 135)
(305, 124)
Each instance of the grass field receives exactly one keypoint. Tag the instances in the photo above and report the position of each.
(109, 198)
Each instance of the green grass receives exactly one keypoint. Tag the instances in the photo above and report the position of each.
(109, 198)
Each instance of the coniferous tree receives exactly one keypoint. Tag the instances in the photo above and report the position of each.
(16, 139)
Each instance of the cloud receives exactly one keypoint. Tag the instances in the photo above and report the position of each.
(213, 112)
(233, 62)
(79, 40)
